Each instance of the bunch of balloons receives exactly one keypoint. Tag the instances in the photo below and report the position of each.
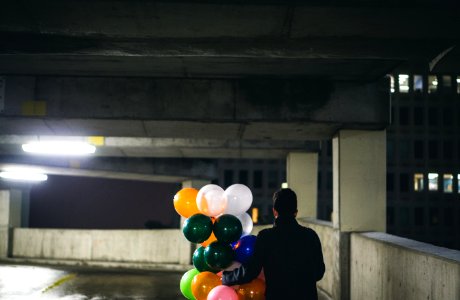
(217, 219)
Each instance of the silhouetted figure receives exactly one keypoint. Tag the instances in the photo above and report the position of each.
(290, 255)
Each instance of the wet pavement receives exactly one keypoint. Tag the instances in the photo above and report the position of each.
(20, 282)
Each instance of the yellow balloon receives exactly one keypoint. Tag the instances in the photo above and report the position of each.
(185, 202)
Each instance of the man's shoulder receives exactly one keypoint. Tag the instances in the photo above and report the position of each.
(265, 232)
(308, 231)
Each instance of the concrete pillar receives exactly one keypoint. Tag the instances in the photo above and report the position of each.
(302, 178)
(10, 217)
(359, 180)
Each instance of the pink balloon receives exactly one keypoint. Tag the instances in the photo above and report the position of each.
(222, 292)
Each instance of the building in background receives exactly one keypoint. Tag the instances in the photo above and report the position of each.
(423, 164)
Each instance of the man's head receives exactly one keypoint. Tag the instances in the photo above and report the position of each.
(284, 203)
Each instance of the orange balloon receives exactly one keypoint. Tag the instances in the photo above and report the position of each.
(185, 202)
(211, 238)
(203, 283)
(252, 290)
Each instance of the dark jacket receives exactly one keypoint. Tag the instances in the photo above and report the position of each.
(291, 258)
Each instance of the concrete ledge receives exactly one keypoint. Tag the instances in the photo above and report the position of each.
(99, 264)
(383, 266)
(412, 245)
(166, 246)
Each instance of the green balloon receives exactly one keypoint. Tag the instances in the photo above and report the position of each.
(197, 228)
(227, 229)
(218, 255)
(199, 262)
(186, 283)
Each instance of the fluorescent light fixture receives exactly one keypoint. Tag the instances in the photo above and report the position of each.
(59, 148)
(23, 174)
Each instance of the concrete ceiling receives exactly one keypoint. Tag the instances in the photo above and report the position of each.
(57, 45)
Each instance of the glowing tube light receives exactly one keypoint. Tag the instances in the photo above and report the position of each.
(23, 175)
(59, 148)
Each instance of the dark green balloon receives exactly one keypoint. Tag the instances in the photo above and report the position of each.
(199, 262)
(197, 228)
(218, 255)
(227, 229)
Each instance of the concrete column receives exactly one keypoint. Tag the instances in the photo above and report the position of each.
(359, 179)
(302, 178)
(10, 217)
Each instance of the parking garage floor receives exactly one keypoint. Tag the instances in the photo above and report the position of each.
(21, 282)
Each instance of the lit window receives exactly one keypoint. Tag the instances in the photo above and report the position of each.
(392, 84)
(448, 181)
(403, 80)
(432, 84)
(458, 183)
(418, 83)
(418, 182)
(446, 81)
(255, 215)
(433, 181)
(458, 84)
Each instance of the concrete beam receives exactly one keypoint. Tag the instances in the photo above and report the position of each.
(225, 39)
(147, 169)
(204, 19)
(248, 108)
(172, 147)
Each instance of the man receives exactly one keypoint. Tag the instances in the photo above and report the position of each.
(289, 254)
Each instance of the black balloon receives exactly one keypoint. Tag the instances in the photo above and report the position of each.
(227, 229)
(200, 263)
(218, 255)
(197, 228)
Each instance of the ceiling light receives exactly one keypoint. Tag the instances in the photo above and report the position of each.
(23, 174)
(59, 148)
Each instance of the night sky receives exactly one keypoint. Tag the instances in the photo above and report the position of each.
(98, 203)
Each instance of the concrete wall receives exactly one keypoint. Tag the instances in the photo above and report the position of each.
(330, 243)
(390, 267)
(150, 246)
(377, 265)
(358, 265)
(10, 216)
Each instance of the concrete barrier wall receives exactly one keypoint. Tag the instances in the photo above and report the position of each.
(149, 246)
(378, 265)
(389, 267)
(330, 243)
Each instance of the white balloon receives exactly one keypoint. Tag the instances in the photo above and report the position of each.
(210, 200)
(246, 222)
(239, 199)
